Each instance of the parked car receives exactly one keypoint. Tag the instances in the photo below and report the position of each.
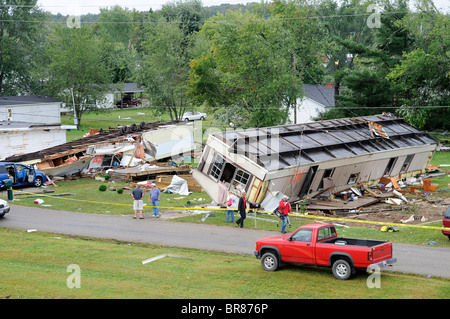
(127, 101)
(317, 244)
(4, 207)
(192, 116)
(446, 222)
(21, 175)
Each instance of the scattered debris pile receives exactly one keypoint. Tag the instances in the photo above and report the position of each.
(400, 201)
(129, 153)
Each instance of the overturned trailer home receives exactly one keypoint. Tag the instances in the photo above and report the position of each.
(304, 160)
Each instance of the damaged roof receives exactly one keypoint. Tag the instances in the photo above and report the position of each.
(80, 145)
(323, 140)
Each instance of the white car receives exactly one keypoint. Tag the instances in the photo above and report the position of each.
(4, 207)
(192, 116)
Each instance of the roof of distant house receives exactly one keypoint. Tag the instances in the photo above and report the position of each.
(26, 99)
(322, 94)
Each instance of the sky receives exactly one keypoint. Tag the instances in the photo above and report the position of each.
(77, 7)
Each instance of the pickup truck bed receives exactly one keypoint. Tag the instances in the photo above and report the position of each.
(353, 242)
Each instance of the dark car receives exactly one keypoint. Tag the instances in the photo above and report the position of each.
(128, 101)
(21, 175)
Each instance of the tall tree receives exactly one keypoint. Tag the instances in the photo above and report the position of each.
(366, 89)
(422, 78)
(117, 28)
(77, 73)
(245, 71)
(166, 55)
(20, 33)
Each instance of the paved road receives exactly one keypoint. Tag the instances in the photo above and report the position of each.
(424, 260)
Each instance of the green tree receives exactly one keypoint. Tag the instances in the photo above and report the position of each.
(422, 78)
(77, 73)
(19, 43)
(245, 71)
(166, 55)
(363, 76)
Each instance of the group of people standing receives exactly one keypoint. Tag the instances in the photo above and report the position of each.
(138, 200)
(233, 202)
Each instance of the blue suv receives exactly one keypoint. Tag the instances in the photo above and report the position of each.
(21, 175)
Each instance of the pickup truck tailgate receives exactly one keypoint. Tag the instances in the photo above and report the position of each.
(382, 252)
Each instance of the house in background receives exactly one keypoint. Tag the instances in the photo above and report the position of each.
(25, 137)
(30, 123)
(317, 98)
(122, 92)
(30, 109)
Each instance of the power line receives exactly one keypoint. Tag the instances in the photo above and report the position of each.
(272, 19)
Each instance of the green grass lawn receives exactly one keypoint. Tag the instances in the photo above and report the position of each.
(35, 266)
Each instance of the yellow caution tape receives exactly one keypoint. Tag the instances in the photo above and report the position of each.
(259, 211)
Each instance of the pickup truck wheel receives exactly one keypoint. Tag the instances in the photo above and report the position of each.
(269, 262)
(342, 269)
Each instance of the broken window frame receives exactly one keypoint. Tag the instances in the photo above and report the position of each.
(217, 167)
(390, 166)
(353, 178)
(327, 173)
(241, 177)
(407, 163)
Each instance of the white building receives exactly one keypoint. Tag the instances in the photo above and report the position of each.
(317, 98)
(24, 137)
(31, 109)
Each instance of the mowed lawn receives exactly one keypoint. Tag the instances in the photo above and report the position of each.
(35, 266)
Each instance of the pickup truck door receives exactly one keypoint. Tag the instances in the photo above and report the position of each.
(300, 248)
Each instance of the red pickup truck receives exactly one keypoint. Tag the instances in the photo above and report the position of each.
(318, 244)
(446, 222)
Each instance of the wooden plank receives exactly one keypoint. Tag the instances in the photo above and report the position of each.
(340, 205)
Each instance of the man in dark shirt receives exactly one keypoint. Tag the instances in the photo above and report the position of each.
(138, 201)
(241, 210)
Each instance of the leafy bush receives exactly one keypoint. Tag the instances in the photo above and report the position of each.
(106, 177)
(102, 188)
(120, 191)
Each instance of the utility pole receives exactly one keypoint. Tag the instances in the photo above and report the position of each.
(295, 101)
(75, 117)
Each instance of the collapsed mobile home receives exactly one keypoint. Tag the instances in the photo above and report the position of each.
(301, 160)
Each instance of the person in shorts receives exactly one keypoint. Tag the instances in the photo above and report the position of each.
(138, 201)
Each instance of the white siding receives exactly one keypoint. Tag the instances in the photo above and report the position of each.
(45, 113)
(23, 142)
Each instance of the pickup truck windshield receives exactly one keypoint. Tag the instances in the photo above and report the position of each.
(303, 234)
